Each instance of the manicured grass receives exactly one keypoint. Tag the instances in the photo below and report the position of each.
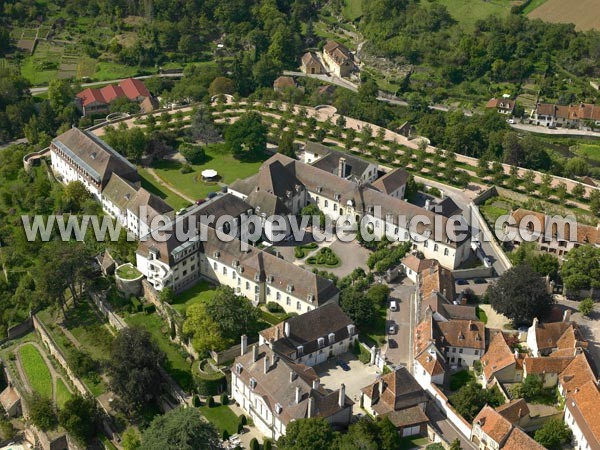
(62, 393)
(222, 417)
(303, 250)
(352, 9)
(460, 379)
(149, 183)
(491, 212)
(113, 71)
(191, 184)
(36, 370)
(482, 315)
(196, 294)
(176, 365)
(128, 272)
(324, 258)
(467, 12)
(589, 151)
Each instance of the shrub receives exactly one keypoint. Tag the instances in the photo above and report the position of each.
(254, 444)
(149, 308)
(225, 435)
(196, 401)
(243, 420)
(267, 445)
(193, 154)
(240, 428)
(586, 307)
(186, 168)
(136, 305)
(224, 399)
(210, 402)
(274, 307)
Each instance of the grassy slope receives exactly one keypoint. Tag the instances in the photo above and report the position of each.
(36, 370)
(149, 183)
(196, 294)
(352, 9)
(222, 417)
(62, 393)
(467, 12)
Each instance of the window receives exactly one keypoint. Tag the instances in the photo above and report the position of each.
(247, 285)
(460, 350)
(215, 266)
(298, 306)
(335, 206)
(435, 248)
(224, 270)
(326, 203)
(278, 296)
(426, 244)
(321, 342)
(446, 252)
(268, 291)
(288, 301)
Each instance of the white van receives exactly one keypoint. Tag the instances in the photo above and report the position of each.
(393, 305)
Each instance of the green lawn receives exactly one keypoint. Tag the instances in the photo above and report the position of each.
(460, 379)
(196, 294)
(352, 9)
(589, 151)
(222, 417)
(176, 365)
(482, 315)
(467, 12)
(191, 184)
(62, 393)
(149, 183)
(128, 272)
(36, 370)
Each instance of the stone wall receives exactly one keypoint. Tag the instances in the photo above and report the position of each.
(99, 300)
(20, 330)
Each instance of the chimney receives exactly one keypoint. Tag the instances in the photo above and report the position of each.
(516, 353)
(381, 386)
(292, 376)
(244, 344)
(342, 396)
(255, 353)
(311, 407)
(298, 395)
(316, 384)
(567, 315)
(286, 329)
(535, 322)
(266, 364)
(342, 168)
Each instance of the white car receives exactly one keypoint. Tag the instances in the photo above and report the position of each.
(393, 305)
(392, 329)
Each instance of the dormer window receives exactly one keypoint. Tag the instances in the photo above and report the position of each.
(336, 197)
(257, 277)
(270, 279)
(238, 368)
(278, 408)
(289, 288)
(300, 351)
(252, 383)
(319, 189)
(321, 342)
(351, 329)
(240, 269)
(93, 155)
(217, 254)
(235, 263)
(310, 298)
(331, 338)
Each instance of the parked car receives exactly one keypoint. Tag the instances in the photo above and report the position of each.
(345, 367)
(392, 329)
(461, 282)
(487, 262)
(393, 305)
(479, 281)
(392, 343)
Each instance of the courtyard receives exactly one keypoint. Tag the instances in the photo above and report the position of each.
(360, 375)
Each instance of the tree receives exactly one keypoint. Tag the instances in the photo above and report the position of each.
(246, 137)
(358, 307)
(134, 368)
(80, 417)
(202, 127)
(561, 191)
(529, 181)
(60, 95)
(167, 295)
(471, 398)
(379, 434)
(521, 295)
(581, 269)
(497, 172)
(379, 294)
(131, 439)
(76, 194)
(595, 202)
(553, 434)
(42, 412)
(220, 321)
(586, 306)
(193, 154)
(455, 445)
(181, 428)
(578, 191)
(286, 144)
(307, 434)
(221, 85)
(532, 387)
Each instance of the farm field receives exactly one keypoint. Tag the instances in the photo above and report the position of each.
(352, 9)
(583, 13)
(467, 12)
(36, 370)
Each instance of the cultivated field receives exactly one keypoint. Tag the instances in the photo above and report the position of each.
(467, 12)
(583, 13)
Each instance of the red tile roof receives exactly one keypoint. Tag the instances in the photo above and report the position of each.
(111, 92)
(130, 88)
(89, 96)
(133, 88)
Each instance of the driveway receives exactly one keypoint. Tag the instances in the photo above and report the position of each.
(446, 428)
(398, 348)
(352, 255)
(360, 375)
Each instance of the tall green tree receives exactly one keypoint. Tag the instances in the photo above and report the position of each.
(80, 416)
(246, 138)
(307, 434)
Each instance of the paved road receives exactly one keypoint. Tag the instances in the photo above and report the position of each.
(446, 428)
(42, 89)
(398, 350)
